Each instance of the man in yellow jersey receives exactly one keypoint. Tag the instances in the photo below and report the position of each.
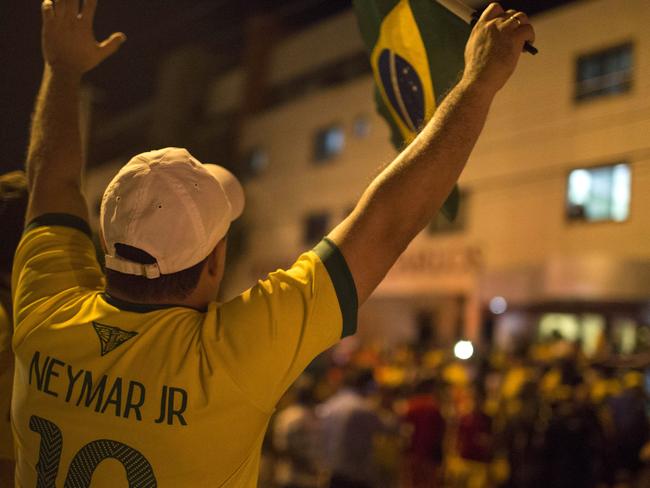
(140, 377)
(13, 203)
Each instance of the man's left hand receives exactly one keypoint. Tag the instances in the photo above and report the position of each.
(68, 40)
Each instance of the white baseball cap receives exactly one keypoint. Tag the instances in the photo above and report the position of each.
(170, 205)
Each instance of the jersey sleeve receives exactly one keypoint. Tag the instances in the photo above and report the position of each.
(6, 381)
(55, 262)
(270, 333)
(6, 331)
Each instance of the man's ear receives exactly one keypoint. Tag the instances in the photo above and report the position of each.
(214, 261)
(102, 241)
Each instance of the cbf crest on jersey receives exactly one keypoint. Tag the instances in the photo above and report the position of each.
(416, 52)
(111, 337)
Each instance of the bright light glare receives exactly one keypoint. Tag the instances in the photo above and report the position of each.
(498, 305)
(463, 350)
(579, 186)
(620, 192)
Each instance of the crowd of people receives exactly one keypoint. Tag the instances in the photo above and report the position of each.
(543, 416)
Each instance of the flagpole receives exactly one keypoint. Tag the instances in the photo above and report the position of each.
(471, 16)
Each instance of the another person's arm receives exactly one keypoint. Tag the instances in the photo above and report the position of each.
(410, 191)
(55, 159)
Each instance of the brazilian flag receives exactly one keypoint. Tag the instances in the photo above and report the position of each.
(416, 52)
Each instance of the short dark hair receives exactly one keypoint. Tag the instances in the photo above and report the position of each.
(13, 205)
(173, 286)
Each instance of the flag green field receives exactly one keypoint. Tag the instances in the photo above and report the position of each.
(416, 52)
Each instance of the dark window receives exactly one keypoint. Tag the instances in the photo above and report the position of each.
(316, 227)
(440, 224)
(603, 73)
(257, 160)
(601, 193)
(361, 126)
(332, 74)
(328, 143)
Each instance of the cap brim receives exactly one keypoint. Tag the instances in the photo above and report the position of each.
(232, 187)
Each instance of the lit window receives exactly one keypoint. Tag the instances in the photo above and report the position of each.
(601, 193)
(625, 335)
(593, 330)
(329, 142)
(588, 329)
(604, 72)
(559, 326)
(315, 227)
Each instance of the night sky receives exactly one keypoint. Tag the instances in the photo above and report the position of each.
(152, 28)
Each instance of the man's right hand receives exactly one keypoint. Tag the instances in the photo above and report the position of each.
(409, 192)
(494, 46)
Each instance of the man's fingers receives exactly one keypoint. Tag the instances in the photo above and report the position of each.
(521, 17)
(89, 8)
(493, 11)
(526, 33)
(112, 44)
(510, 23)
(514, 20)
(63, 8)
(47, 10)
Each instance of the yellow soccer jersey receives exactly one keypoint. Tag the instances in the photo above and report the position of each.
(162, 396)
(6, 380)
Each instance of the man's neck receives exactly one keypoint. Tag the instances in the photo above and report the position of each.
(191, 301)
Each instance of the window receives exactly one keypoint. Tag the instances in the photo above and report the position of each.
(604, 72)
(326, 76)
(257, 160)
(316, 227)
(588, 329)
(440, 224)
(361, 126)
(601, 193)
(625, 335)
(328, 143)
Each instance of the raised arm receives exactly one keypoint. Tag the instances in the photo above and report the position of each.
(55, 159)
(410, 191)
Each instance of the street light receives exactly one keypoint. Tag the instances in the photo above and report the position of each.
(463, 350)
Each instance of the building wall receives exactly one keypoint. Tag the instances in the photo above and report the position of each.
(516, 177)
(536, 133)
(279, 199)
(322, 44)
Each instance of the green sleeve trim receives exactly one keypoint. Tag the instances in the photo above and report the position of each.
(60, 219)
(346, 291)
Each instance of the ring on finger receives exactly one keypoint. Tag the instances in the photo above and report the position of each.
(516, 19)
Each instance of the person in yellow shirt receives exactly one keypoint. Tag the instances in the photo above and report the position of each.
(142, 366)
(13, 203)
